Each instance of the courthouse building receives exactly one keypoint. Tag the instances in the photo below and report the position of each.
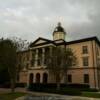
(87, 52)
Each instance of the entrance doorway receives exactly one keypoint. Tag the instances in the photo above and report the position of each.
(31, 78)
(45, 78)
(37, 78)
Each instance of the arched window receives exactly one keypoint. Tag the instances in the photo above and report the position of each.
(31, 78)
(37, 78)
(45, 78)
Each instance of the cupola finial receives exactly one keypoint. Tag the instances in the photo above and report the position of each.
(59, 23)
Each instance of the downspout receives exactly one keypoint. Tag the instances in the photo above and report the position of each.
(97, 66)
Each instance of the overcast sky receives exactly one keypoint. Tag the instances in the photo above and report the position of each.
(30, 19)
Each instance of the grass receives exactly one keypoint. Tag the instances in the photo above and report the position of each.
(91, 94)
(11, 96)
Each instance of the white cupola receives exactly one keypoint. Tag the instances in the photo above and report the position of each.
(59, 33)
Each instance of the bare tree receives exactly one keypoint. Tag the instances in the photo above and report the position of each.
(58, 63)
(8, 58)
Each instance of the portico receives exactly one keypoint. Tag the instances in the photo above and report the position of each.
(39, 55)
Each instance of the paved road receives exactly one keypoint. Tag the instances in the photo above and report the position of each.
(45, 95)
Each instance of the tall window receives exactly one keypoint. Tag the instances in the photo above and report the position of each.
(32, 63)
(97, 51)
(86, 78)
(85, 49)
(39, 62)
(38, 78)
(85, 61)
(69, 78)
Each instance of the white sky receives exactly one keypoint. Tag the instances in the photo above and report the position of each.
(30, 19)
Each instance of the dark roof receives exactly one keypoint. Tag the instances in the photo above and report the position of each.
(63, 42)
(84, 40)
(59, 28)
(81, 40)
(59, 40)
(58, 43)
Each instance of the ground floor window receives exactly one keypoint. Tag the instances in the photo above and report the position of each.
(69, 78)
(86, 78)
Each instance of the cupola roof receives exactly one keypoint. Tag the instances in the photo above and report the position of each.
(59, 28)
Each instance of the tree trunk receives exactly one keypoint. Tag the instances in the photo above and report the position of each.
(65, 77)
(58, 81)
(58, 86)
(12, 86)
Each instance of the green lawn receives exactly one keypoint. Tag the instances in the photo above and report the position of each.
(11, 96)
(91, 94)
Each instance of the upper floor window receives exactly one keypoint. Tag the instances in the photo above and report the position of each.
(85, 49)
(32, 63)
(97, 51)
(98, 62)
(85, 61)
(39, 62)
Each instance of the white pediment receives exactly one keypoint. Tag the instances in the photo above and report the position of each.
(40, 41)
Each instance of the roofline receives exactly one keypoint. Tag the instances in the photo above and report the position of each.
(71, 42)
(64, 42)
(80, 40)
(84, 40)
(48, 41)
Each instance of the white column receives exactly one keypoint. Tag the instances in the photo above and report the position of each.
(50, 50)
(41, 77)
(43, 56)
(36, 58)
(34, 78)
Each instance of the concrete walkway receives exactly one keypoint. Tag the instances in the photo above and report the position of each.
(44, 95)
(50, 96)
